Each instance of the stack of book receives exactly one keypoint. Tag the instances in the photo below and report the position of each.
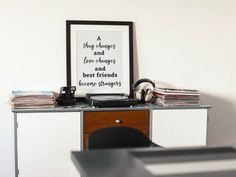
(176, 97)
(33, 99)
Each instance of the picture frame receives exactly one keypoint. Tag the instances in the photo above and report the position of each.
(99, 57)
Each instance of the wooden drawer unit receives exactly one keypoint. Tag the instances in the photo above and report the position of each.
(138, 119)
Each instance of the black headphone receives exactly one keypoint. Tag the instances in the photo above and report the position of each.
(142, 95)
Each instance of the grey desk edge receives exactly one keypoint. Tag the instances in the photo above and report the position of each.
(124, 162)
(84, 107)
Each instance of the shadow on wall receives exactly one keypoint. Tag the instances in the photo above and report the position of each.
(222, 124)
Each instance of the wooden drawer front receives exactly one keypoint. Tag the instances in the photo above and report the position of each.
(95, 120)
(136, 119)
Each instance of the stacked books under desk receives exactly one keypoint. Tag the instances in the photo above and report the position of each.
(176, 97)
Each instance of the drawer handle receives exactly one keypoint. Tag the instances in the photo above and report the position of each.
(117, 121)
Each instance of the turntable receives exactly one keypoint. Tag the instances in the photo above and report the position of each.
(110, 100)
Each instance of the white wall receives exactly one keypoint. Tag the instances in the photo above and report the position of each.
(182, 43)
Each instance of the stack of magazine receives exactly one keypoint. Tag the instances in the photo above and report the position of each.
(176, 97)
(33, 99)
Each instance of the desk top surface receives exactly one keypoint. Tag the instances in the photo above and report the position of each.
(82, 106)
(156, 162)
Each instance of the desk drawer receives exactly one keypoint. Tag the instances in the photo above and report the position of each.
(138, 119)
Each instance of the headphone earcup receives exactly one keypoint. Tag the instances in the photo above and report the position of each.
(148, 95)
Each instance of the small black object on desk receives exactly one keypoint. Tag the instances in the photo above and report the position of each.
(66, 96)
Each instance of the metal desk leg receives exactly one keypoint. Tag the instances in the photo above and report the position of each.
(15, 145)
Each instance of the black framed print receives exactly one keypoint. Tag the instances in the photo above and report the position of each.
(100, 57)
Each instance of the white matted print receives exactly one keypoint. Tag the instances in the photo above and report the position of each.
(100, 57)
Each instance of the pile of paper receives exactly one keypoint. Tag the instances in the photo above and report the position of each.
(176, 97)
(33, 99)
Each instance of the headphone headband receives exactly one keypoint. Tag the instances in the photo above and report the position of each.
(144, 80)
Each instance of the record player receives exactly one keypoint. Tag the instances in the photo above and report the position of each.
(110, 100)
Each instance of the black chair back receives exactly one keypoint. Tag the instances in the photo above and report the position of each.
(118, 137)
